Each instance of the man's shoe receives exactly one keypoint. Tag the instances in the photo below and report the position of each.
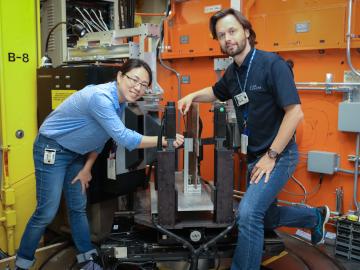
(318, 232)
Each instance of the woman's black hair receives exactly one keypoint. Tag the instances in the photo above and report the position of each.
(136, 63)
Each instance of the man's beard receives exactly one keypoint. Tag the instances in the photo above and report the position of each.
(240, 48)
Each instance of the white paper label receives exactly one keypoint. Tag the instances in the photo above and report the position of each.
(210, 9)
(244, 143)
(111, 168)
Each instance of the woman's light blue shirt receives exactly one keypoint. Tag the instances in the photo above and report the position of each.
(87, 119)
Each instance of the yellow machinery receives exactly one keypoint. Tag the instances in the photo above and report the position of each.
(19, 60)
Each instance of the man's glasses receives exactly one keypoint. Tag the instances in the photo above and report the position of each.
(135, 82)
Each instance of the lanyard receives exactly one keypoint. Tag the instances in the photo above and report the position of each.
(247, 73)
(246, 110)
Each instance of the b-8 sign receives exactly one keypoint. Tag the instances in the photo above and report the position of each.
(12, 57)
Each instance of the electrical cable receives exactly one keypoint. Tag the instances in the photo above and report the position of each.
(301, 186)
(94, 26)
(306, 194)
(89, 26)
(99, 21)
(93, 21)
(87, 20)
(82, 15)
(102, 20)
(83, 25)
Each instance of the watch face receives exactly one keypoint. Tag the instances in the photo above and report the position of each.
(272, 154)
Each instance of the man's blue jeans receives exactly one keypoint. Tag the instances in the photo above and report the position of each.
(51, 180)
(258, 210)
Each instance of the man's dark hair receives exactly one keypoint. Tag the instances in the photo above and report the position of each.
(136, 63)
(239, 17)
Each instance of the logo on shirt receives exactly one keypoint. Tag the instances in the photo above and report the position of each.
(255, 87)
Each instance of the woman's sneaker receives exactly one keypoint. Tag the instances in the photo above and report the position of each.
(318, 232)
(94, 264)
(91, 265)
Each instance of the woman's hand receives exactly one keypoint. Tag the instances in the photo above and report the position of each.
(84, 176)
(177, 142)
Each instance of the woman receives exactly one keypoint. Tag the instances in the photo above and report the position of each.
(66, 147)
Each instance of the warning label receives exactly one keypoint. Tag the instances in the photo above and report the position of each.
(58, 96)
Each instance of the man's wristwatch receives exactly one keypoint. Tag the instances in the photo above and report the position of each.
(272, 154)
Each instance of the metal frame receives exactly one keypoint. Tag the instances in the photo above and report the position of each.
(54, 12)
(191, 178)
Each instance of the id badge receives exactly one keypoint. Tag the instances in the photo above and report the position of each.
(244, 143)
(49, 156)
(111, 169)
(111, 163)
(241, 99)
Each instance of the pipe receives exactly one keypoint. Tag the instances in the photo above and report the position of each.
(10, 238)
(248, 6)
(344, 171)
(356, 173)
(163, 21)
(329, 84)
(149, 14)
(335, 89)
(339, 200)
(348, 41)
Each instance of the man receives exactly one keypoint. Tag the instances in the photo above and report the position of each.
(268, 111)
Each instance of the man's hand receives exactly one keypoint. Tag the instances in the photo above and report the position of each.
(185, 103)
(84, 176)
(179, 140)
(264, 166)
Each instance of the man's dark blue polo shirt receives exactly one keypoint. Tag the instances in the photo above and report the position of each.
(270, 88)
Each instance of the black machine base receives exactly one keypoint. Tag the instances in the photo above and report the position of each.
(134, 246)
